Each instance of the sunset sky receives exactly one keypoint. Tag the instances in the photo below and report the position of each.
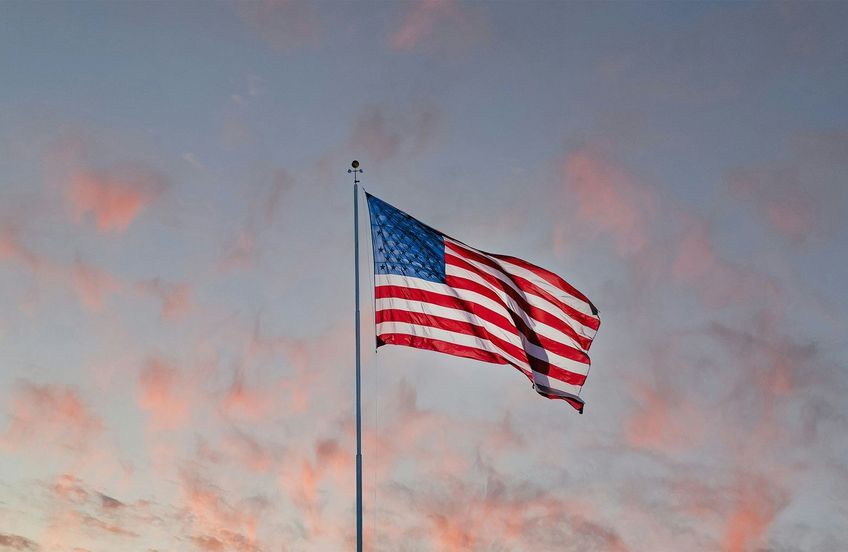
(176, 274)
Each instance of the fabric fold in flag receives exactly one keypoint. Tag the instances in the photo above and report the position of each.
(434, 292)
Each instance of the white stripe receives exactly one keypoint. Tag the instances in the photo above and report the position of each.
(451, 337)
(412, 282)
(519, 340)
(555, 360)
(444, 289)
(532, 298)
(570, 300)
(555, 384)
(511, 268)
(431, 309)
(539, 327)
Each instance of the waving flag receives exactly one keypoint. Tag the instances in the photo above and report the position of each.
(435, 292)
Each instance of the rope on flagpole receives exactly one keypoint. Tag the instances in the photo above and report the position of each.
(373, 363)
(375, 371)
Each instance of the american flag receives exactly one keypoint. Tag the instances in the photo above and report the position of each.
(434, 292)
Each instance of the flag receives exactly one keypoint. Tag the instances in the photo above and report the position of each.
(434, 292)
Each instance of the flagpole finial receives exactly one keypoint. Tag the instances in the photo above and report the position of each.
(355, 170)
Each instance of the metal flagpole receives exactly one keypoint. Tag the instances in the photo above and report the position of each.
(356, 171)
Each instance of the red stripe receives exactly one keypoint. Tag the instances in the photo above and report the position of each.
(449, 301)
(549, 276)
(513, 325)
(466, 328)
(581, 317)
(554, 346)
(527, 286)
(461, 327)
(555, 372)
(531, 311)
(441, 347)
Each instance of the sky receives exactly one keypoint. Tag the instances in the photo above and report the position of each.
(176, 274)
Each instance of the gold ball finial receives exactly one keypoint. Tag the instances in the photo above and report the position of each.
(355, 164)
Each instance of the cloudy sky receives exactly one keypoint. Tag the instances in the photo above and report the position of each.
(176, 283)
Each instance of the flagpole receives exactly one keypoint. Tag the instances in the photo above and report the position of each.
(356, 171)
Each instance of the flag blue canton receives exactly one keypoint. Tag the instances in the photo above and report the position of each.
(403, 245)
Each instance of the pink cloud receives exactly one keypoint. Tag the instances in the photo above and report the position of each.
(498, 513)
(663, 421)
(446, 23)
(92, 285)
(219, 524)
(244, 253)
(776, 369)
(609, 201)
(113, 198)
(308, 480)
(419, 22)
(11, 249)
(161, 391)
(330, 453)
(737, 509)
(768, 369)
(781, 200)
(756, 503)
(79, 516)
(718, 282)
(308, 358)
(792, 217)
(253, 399)
(17, 542)
(250, 454)
(245, 402)
(45, 414)
(69, 487)
(175, 299)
